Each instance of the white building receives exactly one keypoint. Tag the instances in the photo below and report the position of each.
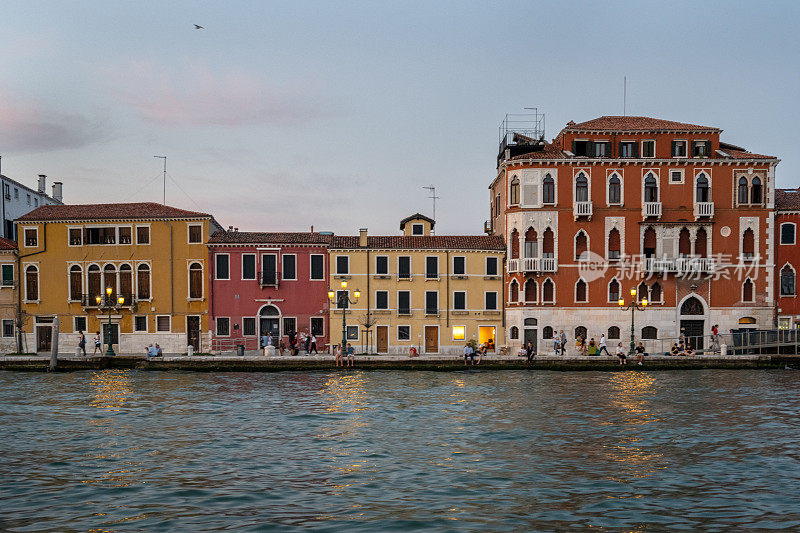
(18, 199)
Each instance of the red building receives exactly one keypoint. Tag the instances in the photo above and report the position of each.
(267, 282)
(787, 262)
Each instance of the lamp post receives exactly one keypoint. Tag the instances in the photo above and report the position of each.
(110, 304)
(635, 304)
(342, 300)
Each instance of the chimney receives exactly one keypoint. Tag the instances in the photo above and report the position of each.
(57, 191)
(312, 228)
(362, 238)
(42, 178)
(230, 228)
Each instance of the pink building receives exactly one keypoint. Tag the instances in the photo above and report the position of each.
(267, 283)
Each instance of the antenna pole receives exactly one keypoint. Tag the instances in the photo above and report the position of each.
(433, 197)
(625, 96)
(165, 175)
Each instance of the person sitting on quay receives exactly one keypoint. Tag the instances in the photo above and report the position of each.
(592, 347)
(412, 352)
(337, 350)
(469, 353)
(351, 352)
(159, 353)
(674, 350)
(681, 348)
(150, 351)
(623, 358)
(281, 346)
(481, 352)
(640, 353)
(530, 352)
(688, 351)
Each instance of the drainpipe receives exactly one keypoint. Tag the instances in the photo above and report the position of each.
(369, 307)
(447, 296)
(20, 278)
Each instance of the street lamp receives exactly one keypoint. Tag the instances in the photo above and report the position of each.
(109, 304)
(342, 301)
(635, 304)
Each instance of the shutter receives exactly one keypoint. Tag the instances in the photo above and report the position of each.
(672, 148)
(573, 147)
(590, 148)
(635, 151)
(620, 149)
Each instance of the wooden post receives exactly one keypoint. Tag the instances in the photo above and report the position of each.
(54, 343)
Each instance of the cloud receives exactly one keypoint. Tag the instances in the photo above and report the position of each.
(196, 96)
(28, 125)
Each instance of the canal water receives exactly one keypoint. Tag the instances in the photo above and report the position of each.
(124, 450)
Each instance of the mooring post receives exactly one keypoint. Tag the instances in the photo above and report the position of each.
(54, 343)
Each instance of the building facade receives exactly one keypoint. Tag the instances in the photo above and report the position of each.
(8, 295)
(18, 199)
(621, 203)
(263, 283)
(433, 292)
(135, 272)
(787, 221)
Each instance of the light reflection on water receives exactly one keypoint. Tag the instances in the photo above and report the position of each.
(125, 450)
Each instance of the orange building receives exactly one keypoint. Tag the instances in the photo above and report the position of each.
(787, 219)
(617, 203)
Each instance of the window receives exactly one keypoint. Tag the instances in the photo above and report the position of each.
(602, 149)
(648, 148)
(431, 267)
(342, 299)
(381, 299)
(581, 188)
(628, 149)
(431, 303)
(787, 281)
(78, 323)
(490, 301)
(8, 275)
(382, 264)
(317, 326)
(75, 236)
(249, 326)
(352, 333)
(655, 292)
(613, 332)
(223, 326)
(16, 193)
(403, 333)
(125, 235)
(140, 323)
(459, 333)
(580, 291)
(649, 332)
(742, 195)
(289, 324)
(614, 245)
(514, 333)
(581, 246)
(342, 265)
(195, 234)
(459, 266)
(513, 291)
(289, 267)
(31, 236)
(580, 331)
(8, 328)
(748, 243)
(75, 283)
(702, 188)
(531, 243)
(548, 190)
(100, 236)
(514, 193)
(36, 202)
(248, 266)
(514, 244)
(613, 290)
(142, 282)
(678, 148)
(403, 303)
(547, 333)
(142, 234)
(548, 291)
(196, 281)
(269, 269)
(110, 280)
(404, 267)
(650, 188)
(417, 229)
(531, 290)
(755, 191)
(317, 267)
(700, 149)
(491, 266)
(460, 301)
(787, 237)
(223, 266)
(676, 176)
(614, 190)
(747, 290)
(163, 323)
(31, 283)
(497, 206)
(582, 148)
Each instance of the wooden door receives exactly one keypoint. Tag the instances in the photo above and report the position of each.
(382, 339)
(44, 338)
(431, 339)
(193, 331)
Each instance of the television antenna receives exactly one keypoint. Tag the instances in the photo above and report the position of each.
(432, 190)
(165, 175)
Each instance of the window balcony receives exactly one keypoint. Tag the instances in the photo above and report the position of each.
(268, 279)
(548, 264)
(431, 311)
(530, 264)
(679, 266)
(582, 209)
(513, 265)
(703, 209)
(651, 209)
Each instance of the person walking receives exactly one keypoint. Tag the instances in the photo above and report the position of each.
(307, 343)
(530, 353)
(563, 343)
(603, 345)
(715, 338)
(97, 344)
(623, 359)
(557, 343)
(82, 342)
(351, 352)
(314, 344)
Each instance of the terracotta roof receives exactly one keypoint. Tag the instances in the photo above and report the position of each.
(625, 123)
(744, 154)
(7, 244)
(787, 199)
(137, 211)
(255, 237)
(416, 216)
(419, 242)
(550, 151)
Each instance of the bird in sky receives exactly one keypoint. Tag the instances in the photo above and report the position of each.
(198, 27)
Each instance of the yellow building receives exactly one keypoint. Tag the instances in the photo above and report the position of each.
(8, 295)
(135, 272)
(433, 292)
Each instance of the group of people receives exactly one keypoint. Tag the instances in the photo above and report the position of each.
(98, 345)
(591, 348)
(347, 358)
(154, 350)
(307, 342)
(471, 353)
(681, 348)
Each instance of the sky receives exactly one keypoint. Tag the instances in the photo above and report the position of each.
(281, 115)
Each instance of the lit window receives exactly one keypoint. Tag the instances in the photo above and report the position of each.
(459, 333)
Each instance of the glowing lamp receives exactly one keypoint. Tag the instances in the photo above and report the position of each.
(330, 295)
(344, 284)
(633, 292)
(644, 302)
(621, 302)
(97, 298)
(121, 300)
(357, 294)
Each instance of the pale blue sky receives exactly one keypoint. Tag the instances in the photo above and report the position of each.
(281, 115)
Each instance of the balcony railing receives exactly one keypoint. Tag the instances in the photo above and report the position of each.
(548, 264)
(431, 311)
(651, 209)
(582, 209)
(404, 311)
(703, 209)
(680, 265)
(532, 264)
(90, 300)
(7, 283)
(268, 279)
(404, 275)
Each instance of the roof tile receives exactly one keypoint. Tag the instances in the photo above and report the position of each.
(420, 242)
(787, 199)
(626, 123)
(255, 237)
(132, 211)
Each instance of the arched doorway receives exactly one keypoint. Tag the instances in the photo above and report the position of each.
(270, 322)
(692, 320)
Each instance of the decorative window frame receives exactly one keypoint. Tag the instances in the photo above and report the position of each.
(310, 329)
(216, 326)
(438, 273)
(376, 265)
(553, 283)
(255, 266)
(780, 272)
(576, 172)
(539, 295)
(682, 172)
(608, 290)
(24, 282)
(169, 319)
(189, 226)
(466, 303)
(794, 233)
(610, 173)
(311, 268)
(753, 292)
(554, 175)
(707, 172)
(216, 271)
(388, 305)
(69, 241)
(687, 149)
(453, 332)
(189, 263)
(146, 324)
(486, 265)
(74, 327)
(336, 265)
(25, 239)
(496, 301)
(641, 149)
(283, 270)
(575, 290)
(453, 265)
(513, 282)
(149, 235)
(657, 175)
(255, 324)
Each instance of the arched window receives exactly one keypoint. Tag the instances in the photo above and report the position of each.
(513, 291)
(548, 243)
(701, 243)
(643, 292)
(613, 244)
(692, 306)
(548, 291)
(195, 281)
(515, 244)
(547, 332)
(649, 332)
(748, 243)
(614, 190)
(581, 245)
(143, 282)
(548, 190)
(649, 243)
(94, 283)
(581, 188)
(514, 332)
(110, 280)
(650, 188)
(613, 332)
(31, 283)
(530, 291)
(747, 290)
(742, 195)
(702, 188)
(755, 191)
(581, 294)
(531, 322)
(684, 243)
(531, 243)
(655, 292)
(514, 191)
(126, 282)
(580, 331)
(787, 281)
(613, 290)
(75, 283)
